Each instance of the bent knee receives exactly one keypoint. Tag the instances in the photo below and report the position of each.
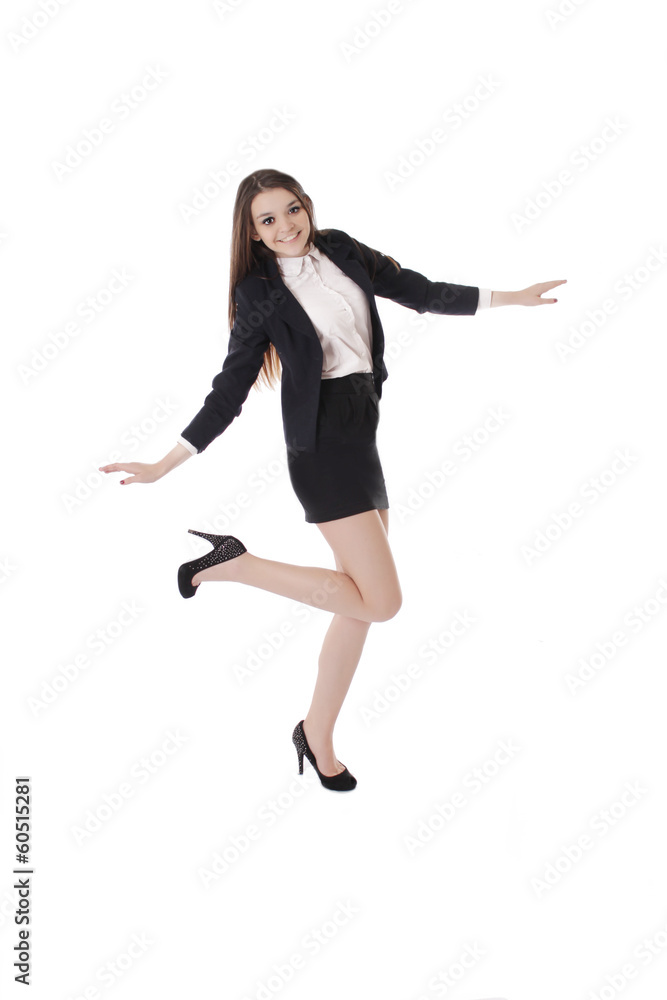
(388, 607)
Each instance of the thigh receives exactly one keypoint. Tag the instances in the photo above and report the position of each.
(361, 548)
(384, 517)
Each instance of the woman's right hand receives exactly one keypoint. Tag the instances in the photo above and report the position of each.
(142, 472)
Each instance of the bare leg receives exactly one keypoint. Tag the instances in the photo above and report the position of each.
(367, 589)
(339, 658)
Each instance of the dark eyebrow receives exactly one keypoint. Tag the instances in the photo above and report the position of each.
(265, 214)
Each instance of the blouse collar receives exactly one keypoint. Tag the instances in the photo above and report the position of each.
(294, 265)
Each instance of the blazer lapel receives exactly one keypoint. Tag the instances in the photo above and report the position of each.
(340, 252)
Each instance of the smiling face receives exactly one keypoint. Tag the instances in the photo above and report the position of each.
(280, 222)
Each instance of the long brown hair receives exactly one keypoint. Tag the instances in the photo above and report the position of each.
(246, 253)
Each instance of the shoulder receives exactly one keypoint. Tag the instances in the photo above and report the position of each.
(334, 238)
(374, 261)
(335, 241)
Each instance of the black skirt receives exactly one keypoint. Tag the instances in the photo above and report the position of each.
(343, 476)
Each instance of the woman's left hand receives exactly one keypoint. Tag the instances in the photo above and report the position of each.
(532, 296)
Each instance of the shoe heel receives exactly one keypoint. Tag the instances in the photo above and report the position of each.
(298, 741)
(213, 539)
(224, 547)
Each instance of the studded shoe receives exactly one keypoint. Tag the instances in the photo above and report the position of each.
(224, 547)
(343, 782)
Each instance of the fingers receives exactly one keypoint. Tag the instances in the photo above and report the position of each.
(119, 467)
(544, 286)
(135, 467)
(537, 291)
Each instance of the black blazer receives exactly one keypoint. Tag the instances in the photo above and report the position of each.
(268, 312)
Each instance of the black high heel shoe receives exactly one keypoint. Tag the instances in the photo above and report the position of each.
(224, 547)
(343, 782)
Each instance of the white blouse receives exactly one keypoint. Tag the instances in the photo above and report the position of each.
(338, 309)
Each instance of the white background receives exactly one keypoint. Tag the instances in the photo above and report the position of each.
(494, 880)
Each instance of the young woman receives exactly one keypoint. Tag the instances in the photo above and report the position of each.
(302, 304)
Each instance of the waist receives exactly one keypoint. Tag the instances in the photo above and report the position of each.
(357, 382)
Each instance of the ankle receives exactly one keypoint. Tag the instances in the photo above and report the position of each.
(319, 732)
(239, 567)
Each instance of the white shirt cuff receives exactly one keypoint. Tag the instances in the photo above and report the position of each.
(186, 444)
(484, 298)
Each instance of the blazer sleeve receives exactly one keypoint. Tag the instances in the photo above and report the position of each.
(247, 343)
(415, 291)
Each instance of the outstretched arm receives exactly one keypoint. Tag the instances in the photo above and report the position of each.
(231, 386)
(414, 290)
(530, 296)
(149, 472)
